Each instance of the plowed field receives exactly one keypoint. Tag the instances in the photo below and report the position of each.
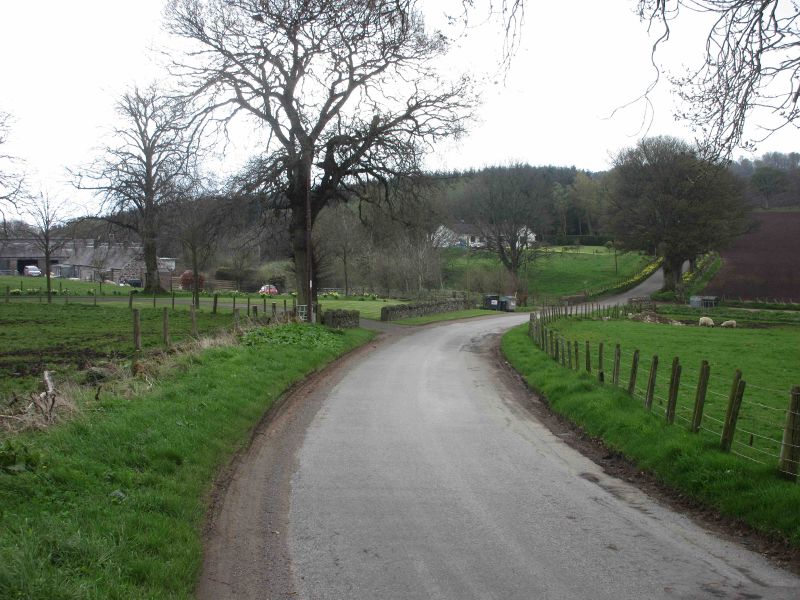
(763, 264)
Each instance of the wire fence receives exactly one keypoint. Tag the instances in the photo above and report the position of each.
(755, 422)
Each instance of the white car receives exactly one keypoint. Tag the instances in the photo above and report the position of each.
(32, 271)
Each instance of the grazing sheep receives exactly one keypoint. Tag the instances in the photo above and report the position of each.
(706, 322)
(728, 324)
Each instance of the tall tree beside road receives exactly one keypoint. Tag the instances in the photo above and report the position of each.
(145, 167)
(665, 198)
(347, 92)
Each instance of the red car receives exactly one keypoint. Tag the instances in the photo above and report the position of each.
(268, 290)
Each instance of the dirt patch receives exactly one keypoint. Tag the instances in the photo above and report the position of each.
(651, 317)
(617, 465)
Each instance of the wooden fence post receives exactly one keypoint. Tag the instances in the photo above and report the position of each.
(651, 383)
(137, 330)
(234, 304)
(248, 306)
(600, 375)
(700, 397)
(165, 326)
(214, 305)
(284, 308)
(255, 312)
(674, 385)
(790, 447)
(236, 320)
(563, 352)
(577, 362)
(615, 371)
(588, 354)
(154, 299)
(732, 414)
(264, 299)
(274, 310)
(193, 317)
(634, 372)
(130, 300)
(555, 349)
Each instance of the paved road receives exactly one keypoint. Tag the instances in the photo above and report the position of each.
(414, 473)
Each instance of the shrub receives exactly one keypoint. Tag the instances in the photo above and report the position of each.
(187, 280)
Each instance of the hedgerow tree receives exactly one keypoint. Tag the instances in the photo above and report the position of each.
(346, 91)
(147, 166)
(664, 197)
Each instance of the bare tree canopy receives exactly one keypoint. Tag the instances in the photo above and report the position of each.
(752, 63)
(47, 215)
(145, 168)
(11, 181)
(346, 91)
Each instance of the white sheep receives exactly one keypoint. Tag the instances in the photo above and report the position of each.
(706, 322)
(730, 323)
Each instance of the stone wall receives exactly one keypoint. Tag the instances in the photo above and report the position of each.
(421, 309)
(341, 319)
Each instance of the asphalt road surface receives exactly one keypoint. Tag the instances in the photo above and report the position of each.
(412, 471)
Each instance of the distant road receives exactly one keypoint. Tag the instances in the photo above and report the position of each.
(413, 472)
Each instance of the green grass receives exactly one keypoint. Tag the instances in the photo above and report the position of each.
(110, 504)
(449, 316)
(369, 309)
(688, 462)
(34, 337)
(559, 273)
(766, 357)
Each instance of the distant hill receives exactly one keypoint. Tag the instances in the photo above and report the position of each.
(764, 263)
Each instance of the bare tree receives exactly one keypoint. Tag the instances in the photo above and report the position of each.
(47, 215)
(508, 206)
(144, 169)
(752, 63)
(340, 234)
(197, 221)
(347, 91)
(11, 181)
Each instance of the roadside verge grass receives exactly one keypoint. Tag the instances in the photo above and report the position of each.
(686, 462)
(110, 504)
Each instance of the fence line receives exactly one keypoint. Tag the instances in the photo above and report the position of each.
(744, 428)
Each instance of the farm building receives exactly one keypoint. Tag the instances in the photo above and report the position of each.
(81, 259)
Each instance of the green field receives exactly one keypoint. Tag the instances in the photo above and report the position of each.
(111, 503)
(369, 309)
(35, 337)
(767, 356)
(560, 272)
(693, 464)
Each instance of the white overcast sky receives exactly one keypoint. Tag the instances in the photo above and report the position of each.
(65, 63)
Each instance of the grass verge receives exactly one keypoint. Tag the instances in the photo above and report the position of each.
(687, 462)
(448, 316)
(110, 504)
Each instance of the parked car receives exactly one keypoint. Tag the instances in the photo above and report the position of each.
(32, 271)
(268, 290)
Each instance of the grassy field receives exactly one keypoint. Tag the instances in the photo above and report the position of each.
(561, 272)
(110, 504)
(369, 309)
(35, 337)
(767, 357)
(691, 463)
